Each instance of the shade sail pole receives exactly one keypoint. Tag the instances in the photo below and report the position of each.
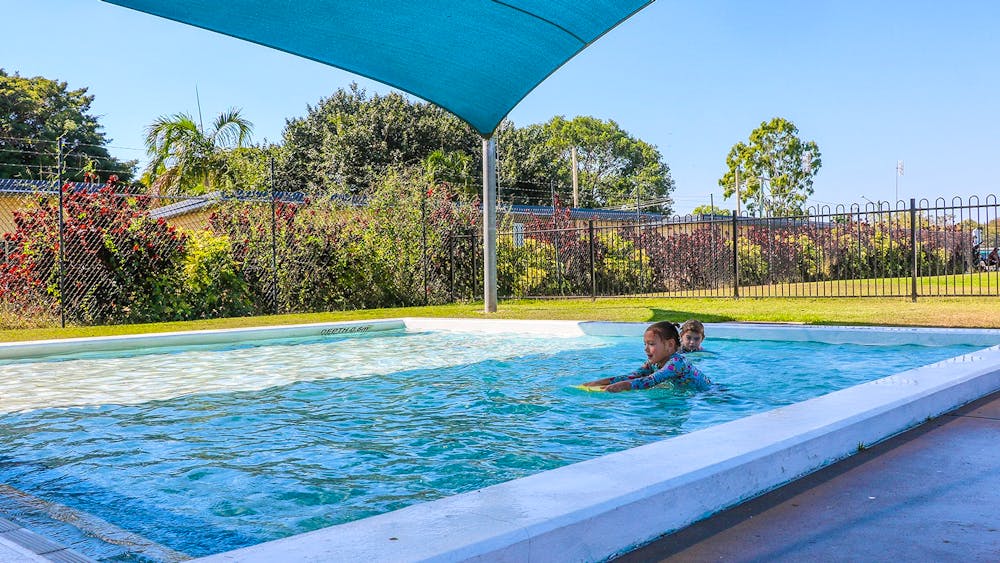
(490, 224)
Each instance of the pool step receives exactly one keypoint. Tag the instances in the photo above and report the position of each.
(86, 523)
(19, 544)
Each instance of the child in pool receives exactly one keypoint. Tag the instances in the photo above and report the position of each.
(663, 364)
(692, 334)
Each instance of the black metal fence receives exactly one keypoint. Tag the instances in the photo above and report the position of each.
(94, 254)
(913, 249)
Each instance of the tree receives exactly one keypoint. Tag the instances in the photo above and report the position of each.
(348, 142)
(452, 168)
(34, 114)
(614, 167)
(352, 140)
(710, 210)
(776, 169)
(529, 166)
(186, 158)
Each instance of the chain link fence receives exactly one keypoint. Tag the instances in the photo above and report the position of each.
(91, 254)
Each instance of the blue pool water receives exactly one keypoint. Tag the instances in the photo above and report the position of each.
(206, 450)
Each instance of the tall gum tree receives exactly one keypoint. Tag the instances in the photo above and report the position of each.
(775, 170)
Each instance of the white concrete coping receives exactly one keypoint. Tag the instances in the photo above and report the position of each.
(38, 348)
(561, 329)
(595, 509)
(864, 335)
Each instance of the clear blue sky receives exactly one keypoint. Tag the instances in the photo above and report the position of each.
(870, 82)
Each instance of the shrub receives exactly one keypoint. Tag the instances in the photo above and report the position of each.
(213, 286)
(121, 265)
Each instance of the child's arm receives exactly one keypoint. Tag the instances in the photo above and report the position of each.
(613, 381)
(624, 382)
(675, 368)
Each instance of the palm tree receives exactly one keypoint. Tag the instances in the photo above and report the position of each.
(449, 167)
(185, 157)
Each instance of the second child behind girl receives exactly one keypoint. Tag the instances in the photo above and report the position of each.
(663, 363)
(692, 335)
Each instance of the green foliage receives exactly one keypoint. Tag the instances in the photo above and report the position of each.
(351, 140)
(323, 264)
(403, 217)
(330, 255)
(528, 165)
(450, 168)
(34, 114)
(750, 260)
(185, 157)
(523, 269)
(776, 169)
(248, 169)
(613, 165)
(622, 267)
(212, 284)
(248, 227)
(710, 210)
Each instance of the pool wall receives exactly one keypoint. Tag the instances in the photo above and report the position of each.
(593, 510)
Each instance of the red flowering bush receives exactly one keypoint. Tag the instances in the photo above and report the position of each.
(119, 266)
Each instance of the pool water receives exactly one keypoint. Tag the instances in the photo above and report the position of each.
(206, 450)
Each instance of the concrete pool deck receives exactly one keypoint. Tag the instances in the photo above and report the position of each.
(929, 494)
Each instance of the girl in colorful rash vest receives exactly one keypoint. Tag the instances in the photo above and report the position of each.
(663, 363)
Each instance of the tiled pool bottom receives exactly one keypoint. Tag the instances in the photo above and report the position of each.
(528, 518)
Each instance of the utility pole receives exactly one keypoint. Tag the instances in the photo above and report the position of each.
(737, 190)
(638, 217)
(576, 183)
(899, 172)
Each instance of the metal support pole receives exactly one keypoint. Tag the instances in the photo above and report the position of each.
(62, 268)
(736, 265)
(489, 225)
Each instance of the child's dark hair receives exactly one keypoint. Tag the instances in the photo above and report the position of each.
(693, 325)
(665, 330)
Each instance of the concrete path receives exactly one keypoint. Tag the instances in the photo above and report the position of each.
(930, 494)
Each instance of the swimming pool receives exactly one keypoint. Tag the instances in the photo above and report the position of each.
(296, 444)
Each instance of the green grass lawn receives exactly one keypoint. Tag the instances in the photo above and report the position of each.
(972, 312)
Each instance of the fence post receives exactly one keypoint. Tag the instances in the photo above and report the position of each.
(473, 280)
(593, 271)
(451, 267)
(423, 239)
(736, 269)
(62, 269)
(913, 245)
(274, 243)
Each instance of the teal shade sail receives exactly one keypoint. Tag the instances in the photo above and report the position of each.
(475, 58)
